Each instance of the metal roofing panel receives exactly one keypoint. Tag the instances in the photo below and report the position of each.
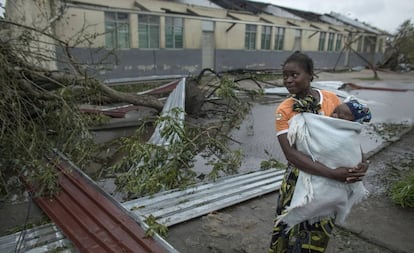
(91, 220)
(352, 22)
(239, 5)
(205, 3)
(44, 238)
(146, 6)
(169, 207)
(330, 20)
(279, 12)
(306, 15)
(176, 99)
(175, 206)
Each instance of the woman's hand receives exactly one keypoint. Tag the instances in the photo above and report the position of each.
(363, 166)
(348, 175)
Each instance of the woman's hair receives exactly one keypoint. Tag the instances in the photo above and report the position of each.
(303, 60)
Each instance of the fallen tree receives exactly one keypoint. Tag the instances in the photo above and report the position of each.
(39, 111)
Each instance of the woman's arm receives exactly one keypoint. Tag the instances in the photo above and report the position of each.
(306, 164)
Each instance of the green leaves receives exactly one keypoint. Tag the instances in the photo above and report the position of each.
(155, 227)
(148, 168)
(402, 192)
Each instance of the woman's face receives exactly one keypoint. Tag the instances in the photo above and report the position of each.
(296, 79)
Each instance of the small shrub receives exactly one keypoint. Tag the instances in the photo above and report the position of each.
(402, 192)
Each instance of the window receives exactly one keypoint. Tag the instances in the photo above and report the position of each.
(369, 44)
(174, 32)
(338, 42)
(322, 38)
(116, 30)
(359, 45)
(266, 37)
(279, 38)
(331, 41)
(298, 40)
(149, 31)
(380, 45)
(250, 37)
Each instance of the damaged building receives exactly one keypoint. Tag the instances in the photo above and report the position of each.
(123, 40)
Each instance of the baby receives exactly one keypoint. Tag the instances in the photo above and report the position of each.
(352, 111)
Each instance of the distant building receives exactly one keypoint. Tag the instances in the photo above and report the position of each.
(127, 39)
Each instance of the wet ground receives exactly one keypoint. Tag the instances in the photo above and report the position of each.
(246, 227)
(376, 225)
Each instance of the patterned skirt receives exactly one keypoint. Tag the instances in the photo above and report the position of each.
(303, 237)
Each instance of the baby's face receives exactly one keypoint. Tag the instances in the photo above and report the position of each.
(342, 111)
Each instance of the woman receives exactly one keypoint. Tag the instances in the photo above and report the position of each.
(304, 237)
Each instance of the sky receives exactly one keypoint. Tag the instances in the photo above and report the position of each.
(387, 15)
(2, 3)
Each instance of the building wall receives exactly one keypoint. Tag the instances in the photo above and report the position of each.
(229, 36)
(134, 63)
(38, 15)
(78, 24)
(192, 33)
(229, 45)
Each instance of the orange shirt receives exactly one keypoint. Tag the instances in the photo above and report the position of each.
(284, 111)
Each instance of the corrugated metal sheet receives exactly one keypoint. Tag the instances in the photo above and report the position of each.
(92, 220)
(95, 222)
(279, 12)
(40, 239)
(176, 99)
(161, 89)
(176, 206)
(354, 23)
(169, 208)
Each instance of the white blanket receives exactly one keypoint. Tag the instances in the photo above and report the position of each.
(335, 143)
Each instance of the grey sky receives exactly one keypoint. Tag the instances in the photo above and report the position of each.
(1, 9)
(387, 15)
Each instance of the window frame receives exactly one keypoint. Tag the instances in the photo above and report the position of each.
(322, 40)
(266, 37)
(146, 29)
(279, 38)
(338, 44)
(117, 30)
(175, 26)
(250, 37)
(331, 39)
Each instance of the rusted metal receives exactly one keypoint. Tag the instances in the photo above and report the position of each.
(161, 89)
(91, 220)
(114, 112)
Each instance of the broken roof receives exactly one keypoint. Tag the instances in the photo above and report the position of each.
(354, 23)
(306, 15)
(241, 5)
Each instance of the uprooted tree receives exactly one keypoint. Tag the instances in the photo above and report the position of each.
(39, 111)
(400, 50)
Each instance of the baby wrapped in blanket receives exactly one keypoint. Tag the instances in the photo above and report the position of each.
(335, 143)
